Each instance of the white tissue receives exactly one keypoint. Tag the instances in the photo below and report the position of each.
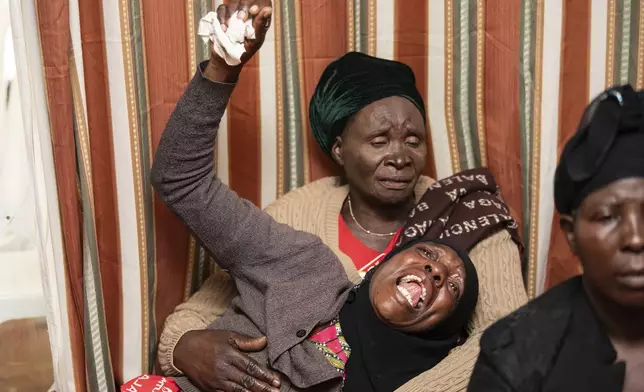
(228, 45)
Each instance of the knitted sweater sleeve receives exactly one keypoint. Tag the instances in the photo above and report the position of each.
(501, 291)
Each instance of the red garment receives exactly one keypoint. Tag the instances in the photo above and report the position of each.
(364, 258)
(150, 383)
(330, 340)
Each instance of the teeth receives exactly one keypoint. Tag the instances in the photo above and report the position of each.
(410, 278)
(405, 294)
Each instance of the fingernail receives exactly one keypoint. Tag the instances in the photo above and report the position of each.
(224, 28)
(241, 15)
(254, 9)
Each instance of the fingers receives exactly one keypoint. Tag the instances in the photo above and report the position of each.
(246, 343)
(243, 10)
(223, 14)
(251, 368)
(249, 382)
(263, 21)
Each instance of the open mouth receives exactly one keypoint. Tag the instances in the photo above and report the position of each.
(411, 287)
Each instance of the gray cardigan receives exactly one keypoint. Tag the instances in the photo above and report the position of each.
(288, 281)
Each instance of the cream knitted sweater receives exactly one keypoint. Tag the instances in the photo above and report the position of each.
(315, 208)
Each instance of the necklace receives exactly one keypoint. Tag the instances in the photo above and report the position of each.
(362, 228)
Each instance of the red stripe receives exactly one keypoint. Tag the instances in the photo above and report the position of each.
(100, 134)
(410, 40)
(53, 21)
(166, 52)
(324, 38)
(503, 136)
(574, 80)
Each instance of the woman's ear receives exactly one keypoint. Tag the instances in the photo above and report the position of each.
(337, 152)
(567, 224)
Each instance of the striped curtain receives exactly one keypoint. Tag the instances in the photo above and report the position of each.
(505, 82)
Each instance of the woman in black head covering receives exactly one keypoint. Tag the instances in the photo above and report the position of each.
(586, 334)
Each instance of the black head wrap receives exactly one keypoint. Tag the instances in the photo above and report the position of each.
(608, 146)
(352, 82)
(459, 211)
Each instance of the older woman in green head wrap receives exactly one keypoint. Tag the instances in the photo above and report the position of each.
(367, 114)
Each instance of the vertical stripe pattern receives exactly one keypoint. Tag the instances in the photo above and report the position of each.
(410, 47)
(528, 81)
(99, 366)
(96, 91)
(504, 83)
(576, 81)
(55, 38)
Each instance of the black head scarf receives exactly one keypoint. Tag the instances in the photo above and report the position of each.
(608, 146)
(459, 212)
(352, 82)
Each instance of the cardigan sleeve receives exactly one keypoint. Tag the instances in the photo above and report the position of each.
(214, 297)
(498, 264)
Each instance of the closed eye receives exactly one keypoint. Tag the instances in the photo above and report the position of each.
(379, 141)
(431, 255)
(453, 287)
(413, 141)
(604, 217)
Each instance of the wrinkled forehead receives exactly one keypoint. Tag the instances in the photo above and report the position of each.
(385, 111)
(626, 190)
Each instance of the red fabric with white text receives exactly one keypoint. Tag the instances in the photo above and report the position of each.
(150, 383)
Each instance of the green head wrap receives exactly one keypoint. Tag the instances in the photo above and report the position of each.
(352, 82)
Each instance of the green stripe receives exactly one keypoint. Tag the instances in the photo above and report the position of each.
(617, 50)
(100, 377)
(625, 41)
(199, 270)
(138, 55)
(200, 267)
(526, 106)
(293, 122)
(464, 67)
(474, 130)
(634, 42)
(201, 8)
(456, 81)
(363, 16)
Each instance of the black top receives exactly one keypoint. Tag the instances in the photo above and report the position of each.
(554, 343)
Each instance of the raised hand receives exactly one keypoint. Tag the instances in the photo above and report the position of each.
(260, 11)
